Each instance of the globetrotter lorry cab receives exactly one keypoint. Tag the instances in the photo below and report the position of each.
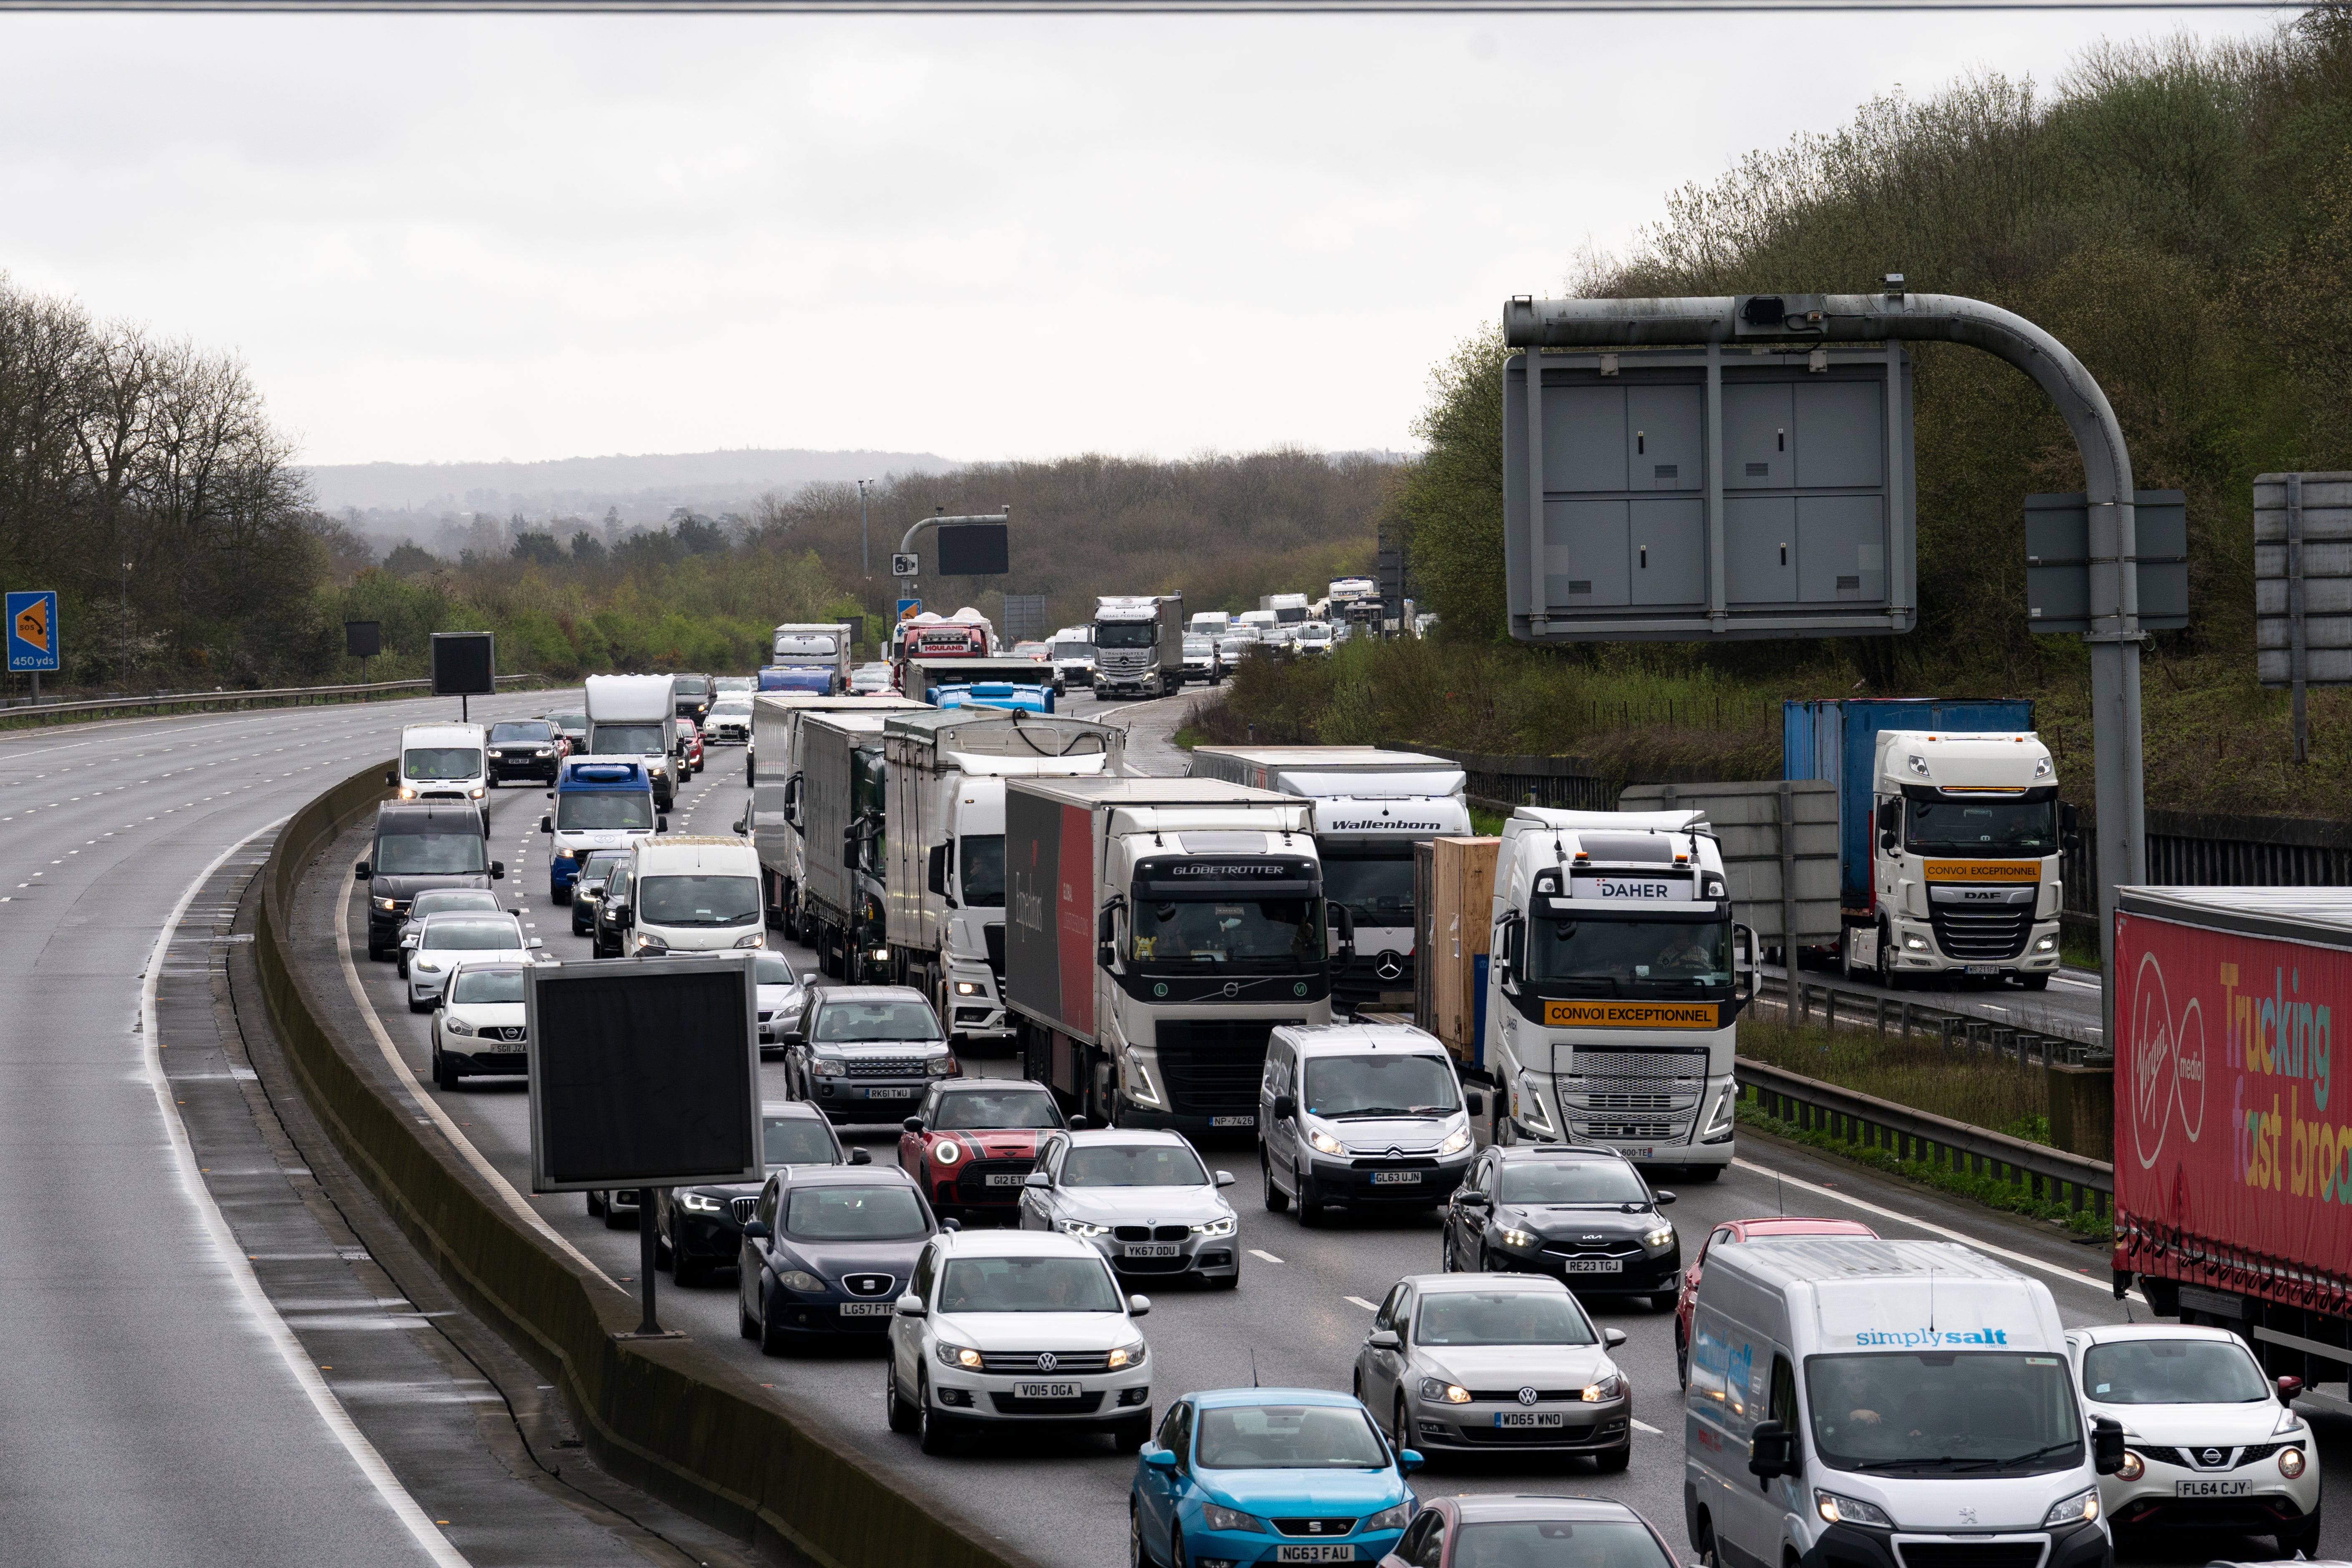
(601, 803)
(1157, 931)
(1612, 1000)
(1862, 1404)
(1963, 860)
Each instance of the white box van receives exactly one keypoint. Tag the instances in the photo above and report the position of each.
(442, 761)
(1869, 1404)
(692, 895)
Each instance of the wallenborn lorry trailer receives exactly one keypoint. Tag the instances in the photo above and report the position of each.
(946, 770)
(2234, 1142)
(1372, 806)
(1157, 931)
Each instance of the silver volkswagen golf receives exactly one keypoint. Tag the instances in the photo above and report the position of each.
(1143, 1197)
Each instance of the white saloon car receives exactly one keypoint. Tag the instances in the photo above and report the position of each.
(466, 936)
(478, 1029)
(1016, 1329)
(2208, 1441)
(729, 718)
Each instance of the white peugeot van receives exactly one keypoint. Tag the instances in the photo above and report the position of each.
(697, 894)
(442, 761)
(1865, 1403)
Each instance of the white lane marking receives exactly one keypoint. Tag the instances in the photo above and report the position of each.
(1269, 1256)
(2104, 1288)
(474, 1157)
(1358, 1301)
(239, 1269)
(1645, 1426)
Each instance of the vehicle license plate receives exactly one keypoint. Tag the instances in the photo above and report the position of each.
(1044, 1391)
(2211, 1488)
(1981, 969)
(882, 1092)
(1395, 1178)
(1643, 1152)
(1003, 1179)
(866, 1309)
(1596, 1266)
(1529, 1418)
(1233, 1121)
(1323, 1553)
(1148, 1250)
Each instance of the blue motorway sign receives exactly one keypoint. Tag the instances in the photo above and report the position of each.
(33, 631)
(909, 608)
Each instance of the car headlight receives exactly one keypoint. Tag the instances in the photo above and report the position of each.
(426, 966)
(477, 792)
(497, 756)
(1658, 1237)
(456, 1026)
(1443, 1391)
(946, 1152)
(1395, 1518)
(824, 1067)
(1323, 1143)
(564, 854)
(2290, 1462)
(960, 1356)
(2082, 1507)
(1222, 1225)
(651, 943)
(1836, 1509)
(966, 988)
(754, 940)
(2132, 1468)
(940, 1067)
(543, 751)
(1217, 1517)
(387, 903)
(1127, 1355)
(1455, 1144)
(1602, 1390)
(1085, 1230)
(1514, 1237)
(699, 1203)
(802, 1281)
(408, 792)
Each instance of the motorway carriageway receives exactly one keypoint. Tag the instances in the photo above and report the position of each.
(1306, 1299)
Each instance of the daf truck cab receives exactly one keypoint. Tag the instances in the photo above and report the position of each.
(1611, 998)
(601, 803)
(630, 716)
(1371, 807)
(443, 762)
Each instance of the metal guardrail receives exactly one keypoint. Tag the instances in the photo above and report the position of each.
(278, 696)
(1903, 1017)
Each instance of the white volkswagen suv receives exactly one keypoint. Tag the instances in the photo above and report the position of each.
(1016, 1327)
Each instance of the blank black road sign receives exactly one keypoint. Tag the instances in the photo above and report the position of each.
(465, 664)
(362, 639)
(975, 550)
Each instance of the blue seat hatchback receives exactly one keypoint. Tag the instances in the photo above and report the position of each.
(1244, 1475)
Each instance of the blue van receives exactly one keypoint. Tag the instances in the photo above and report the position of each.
(601, 803)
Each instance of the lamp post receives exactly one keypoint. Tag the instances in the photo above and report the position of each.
(864, 561)
(122, 645)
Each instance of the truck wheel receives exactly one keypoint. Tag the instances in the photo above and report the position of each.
(1277, 1200)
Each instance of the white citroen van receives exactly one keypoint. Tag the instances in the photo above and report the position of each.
(1865, 1404)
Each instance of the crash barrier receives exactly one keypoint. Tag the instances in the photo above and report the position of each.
(664, 1413)
(2051, 1175)
(2209, 849)
(26, 715)
(1818, 1002)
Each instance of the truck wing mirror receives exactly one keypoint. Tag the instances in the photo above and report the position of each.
(1887, 841)
(1773, 1451)
(939, 869)
(2106, 1444)
(1345, 919)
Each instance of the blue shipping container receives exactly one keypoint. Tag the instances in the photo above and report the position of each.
(1837, 739)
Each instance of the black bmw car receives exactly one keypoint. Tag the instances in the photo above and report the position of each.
(828, 1252)
(1583, 1215)
(700, 1229)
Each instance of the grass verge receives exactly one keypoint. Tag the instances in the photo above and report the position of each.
(1971, 1086)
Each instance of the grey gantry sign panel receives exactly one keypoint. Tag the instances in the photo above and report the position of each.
(2303, 578)
(2058, 562)
(1702, 495)
(1024, 617)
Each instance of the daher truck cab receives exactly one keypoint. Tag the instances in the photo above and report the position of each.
(1863, 1403)
(601, 803)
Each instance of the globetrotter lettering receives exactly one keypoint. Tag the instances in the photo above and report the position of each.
(1930, 1339)
(1231, 871)
(1631, 1016)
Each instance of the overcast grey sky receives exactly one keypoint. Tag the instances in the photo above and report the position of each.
(438, 238)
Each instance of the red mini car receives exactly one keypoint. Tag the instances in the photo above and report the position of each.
(690, 745)
(1732, 1231)
(975, 1140)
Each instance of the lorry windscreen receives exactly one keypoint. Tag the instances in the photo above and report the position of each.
(1222, 931)
(806, 647)
(982, 870)
(1377, 887)
(648, 739)
(1981, 827)
(1634, 954)
(429, 854)
(585, 811)
(1944, 1413)
(441, 763)
(699, 900)
(1125, 633)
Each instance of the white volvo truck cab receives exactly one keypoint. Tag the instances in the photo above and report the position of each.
(1616, 980)
(1964, 860)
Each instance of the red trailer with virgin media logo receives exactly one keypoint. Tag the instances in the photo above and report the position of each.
(2233, 1132)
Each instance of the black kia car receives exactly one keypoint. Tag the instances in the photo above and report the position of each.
(1583, 1215)
(828, 1252)
(698, 1229)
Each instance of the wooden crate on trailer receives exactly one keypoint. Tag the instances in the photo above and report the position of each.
(1461, 894)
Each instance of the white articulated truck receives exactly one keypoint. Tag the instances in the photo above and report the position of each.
(947, 772)
(1372, 806)
(632, 716)
(1157, 931)
(776, 786)
(1615, 984)
(1140, 645)
(1287, 609)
